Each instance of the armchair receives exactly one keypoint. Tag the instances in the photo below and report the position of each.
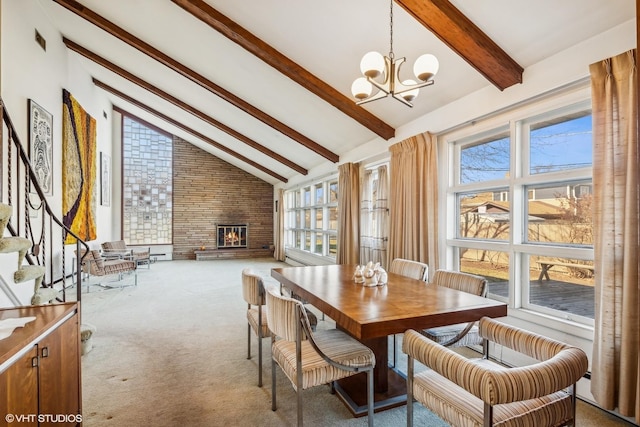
(481, 393)
(309, 358)
(94, 265)
(120, 249)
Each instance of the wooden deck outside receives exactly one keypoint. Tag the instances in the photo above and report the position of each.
(563, 296)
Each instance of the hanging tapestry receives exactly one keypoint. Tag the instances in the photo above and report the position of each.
(78, 170)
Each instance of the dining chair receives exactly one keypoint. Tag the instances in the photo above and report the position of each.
(463, 334)
(253, 294)
(310, 358)
(483, 393)
(415, 270)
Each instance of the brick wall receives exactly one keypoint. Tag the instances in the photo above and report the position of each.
(210, 191)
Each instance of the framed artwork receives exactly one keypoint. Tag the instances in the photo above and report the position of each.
(105, 179)
(41, 145)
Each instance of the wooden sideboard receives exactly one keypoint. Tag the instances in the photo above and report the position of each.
(40, 381)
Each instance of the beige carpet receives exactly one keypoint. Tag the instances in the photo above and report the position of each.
(172, 352)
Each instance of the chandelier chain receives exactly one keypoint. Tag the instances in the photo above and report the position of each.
(391, 30)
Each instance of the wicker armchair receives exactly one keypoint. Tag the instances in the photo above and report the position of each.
(310, 358)
(480, 393)
(119, 249)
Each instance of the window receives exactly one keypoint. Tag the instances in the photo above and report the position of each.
(147, 186)
(311, 218)
(520, 197)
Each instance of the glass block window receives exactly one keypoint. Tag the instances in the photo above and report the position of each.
(147, 157)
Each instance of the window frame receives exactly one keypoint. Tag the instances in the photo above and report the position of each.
(297, 232)
(519, 180)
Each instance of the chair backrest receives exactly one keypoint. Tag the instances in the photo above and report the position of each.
(92, 263)
(408, 268)
(119, 245)
(252, 287)
(465, 282)
(284, 315)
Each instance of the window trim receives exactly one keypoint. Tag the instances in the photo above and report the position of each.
(561, 103)
(292, 213)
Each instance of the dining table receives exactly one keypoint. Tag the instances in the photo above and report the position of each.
(372, 313)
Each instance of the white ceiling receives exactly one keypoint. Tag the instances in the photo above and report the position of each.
(327, 38)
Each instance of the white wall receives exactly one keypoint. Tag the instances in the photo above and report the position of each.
(30, 72)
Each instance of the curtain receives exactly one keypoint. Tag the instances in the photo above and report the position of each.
(615, 377)
(366, 218)
(413, 228)
(374, 216)
(348, 214)
(380, 210)
(278, 253)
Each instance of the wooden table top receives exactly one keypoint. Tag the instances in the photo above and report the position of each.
(373, 312)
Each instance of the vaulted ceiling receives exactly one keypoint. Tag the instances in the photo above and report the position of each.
(265, 84)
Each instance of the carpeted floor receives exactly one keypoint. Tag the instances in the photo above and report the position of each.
(172, 352)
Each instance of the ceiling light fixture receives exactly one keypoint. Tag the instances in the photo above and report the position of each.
(373, 64)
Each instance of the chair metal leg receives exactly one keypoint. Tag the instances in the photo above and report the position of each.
(273, 383)
(395, 355)
(370, 396)
(248, 341)
(409, 391)
(299, 397)
(259, 359)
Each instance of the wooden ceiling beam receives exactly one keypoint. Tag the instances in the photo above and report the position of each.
(199, 79)
(236, 33)
(180, 104)
(458, 32)
(185, 128)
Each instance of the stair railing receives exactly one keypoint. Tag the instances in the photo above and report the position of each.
(33, 215)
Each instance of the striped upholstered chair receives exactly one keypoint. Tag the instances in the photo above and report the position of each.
(311, 358)
(253, 294)
(480, 393)
(408, 268)
(462, 334)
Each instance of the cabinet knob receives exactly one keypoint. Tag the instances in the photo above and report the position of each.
(34, 362)
(45, 352)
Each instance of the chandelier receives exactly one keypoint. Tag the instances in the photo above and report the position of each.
(373, 65)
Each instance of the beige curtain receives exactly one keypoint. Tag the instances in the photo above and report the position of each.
(615, 379)
(381, 217)
(366, 218)
(279, 253)
(374, 217)
(413, 228)
(348, 214)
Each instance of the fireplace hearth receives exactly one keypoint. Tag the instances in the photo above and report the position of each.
(232, 236)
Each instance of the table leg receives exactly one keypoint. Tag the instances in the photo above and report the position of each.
(390, 388)
(544, 272)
